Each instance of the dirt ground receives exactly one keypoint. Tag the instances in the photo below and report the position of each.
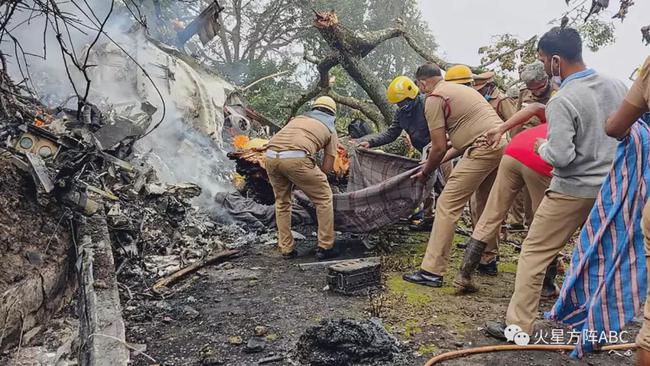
(211, 317)
(26, 227)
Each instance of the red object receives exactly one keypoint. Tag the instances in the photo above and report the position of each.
(522, 148)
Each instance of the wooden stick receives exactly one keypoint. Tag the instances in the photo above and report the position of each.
(312, 265)
(168, 280)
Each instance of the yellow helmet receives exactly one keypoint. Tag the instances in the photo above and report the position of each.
(459, 74)
(401, 88)
(325, 102)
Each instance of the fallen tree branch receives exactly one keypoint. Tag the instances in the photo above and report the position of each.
(322, 84)
(168, 280)
(304, 98)
(424, 54)
(368, 110)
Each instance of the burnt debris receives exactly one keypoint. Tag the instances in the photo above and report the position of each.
(347, 342)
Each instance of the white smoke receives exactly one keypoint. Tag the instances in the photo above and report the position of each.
(186, 147)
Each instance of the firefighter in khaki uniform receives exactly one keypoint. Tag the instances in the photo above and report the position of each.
(409, 117)
(538, 89)
(504, 106)
(465, 115)
(519, 167)
(290, 162)
(636, 103)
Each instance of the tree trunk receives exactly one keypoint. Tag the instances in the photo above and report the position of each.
(350, 49)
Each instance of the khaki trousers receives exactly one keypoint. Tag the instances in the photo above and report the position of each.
(304, 174)
(556, 220)
(521, 211)
(478, 200)
(477, 166)
(512, 176)
(430, 201)
(643, 339)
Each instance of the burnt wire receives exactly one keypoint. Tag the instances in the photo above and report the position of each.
(145, 72)
(61, 22)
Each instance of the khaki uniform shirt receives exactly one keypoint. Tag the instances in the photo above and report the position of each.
(462, 111)
(639, 94)
(526, 97)
(305, 134)
(504, 106)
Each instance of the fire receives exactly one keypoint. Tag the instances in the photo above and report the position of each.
(240, 141)
(342, 161)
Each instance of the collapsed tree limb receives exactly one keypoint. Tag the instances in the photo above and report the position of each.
(368, 110)
(424, 54)
(368, 41)
(323, 83)
(371, 84)
(348, 50)
(312, 93)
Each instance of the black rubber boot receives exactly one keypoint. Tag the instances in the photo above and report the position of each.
(496, 330)
(548, 288)
(325, 254)
(488, 269)
(463, 281)
(291, 255)
(423, 277)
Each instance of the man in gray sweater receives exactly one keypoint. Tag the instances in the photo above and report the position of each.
(580, 153)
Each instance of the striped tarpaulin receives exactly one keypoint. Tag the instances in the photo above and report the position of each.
(606, 283)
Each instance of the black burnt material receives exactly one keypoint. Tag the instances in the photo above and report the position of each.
(347, 342)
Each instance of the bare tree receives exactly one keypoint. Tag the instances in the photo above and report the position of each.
(251, 31)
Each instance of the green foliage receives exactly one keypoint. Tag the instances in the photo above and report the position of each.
(271, 96)
(597, 33)
(506, 55)
(508, 51)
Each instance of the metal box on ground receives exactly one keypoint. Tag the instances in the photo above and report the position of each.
(354, 277)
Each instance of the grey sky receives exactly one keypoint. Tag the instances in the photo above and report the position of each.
(462, 26)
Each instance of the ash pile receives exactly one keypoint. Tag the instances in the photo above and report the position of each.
(347, 342)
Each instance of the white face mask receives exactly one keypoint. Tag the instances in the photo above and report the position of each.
(557, 79)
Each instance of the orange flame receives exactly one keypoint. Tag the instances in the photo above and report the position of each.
(341, 162)
(240, 141)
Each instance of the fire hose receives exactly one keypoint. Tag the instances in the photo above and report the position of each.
(511, 347)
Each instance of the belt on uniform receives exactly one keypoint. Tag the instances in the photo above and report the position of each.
(286, 154)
